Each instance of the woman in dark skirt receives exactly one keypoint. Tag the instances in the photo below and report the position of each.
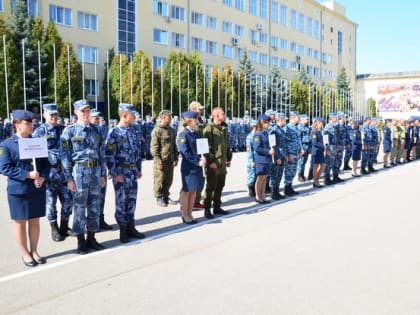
(191, 166)
(25, 189)
(356, 146)
(263, 157)
(317, 151)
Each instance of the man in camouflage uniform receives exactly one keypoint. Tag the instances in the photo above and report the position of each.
(304, 132)
(103, 129)
(330, 148)
(123, 156)
(280, 154)
(294, 151)
(341, 135)
(395, 140)
(83, 158)
(367, 144)
(218, 159)
(165, 157)
(57, 185)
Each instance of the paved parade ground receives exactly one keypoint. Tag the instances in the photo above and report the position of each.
(351, 248)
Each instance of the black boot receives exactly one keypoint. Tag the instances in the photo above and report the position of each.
(347, 167)
(301, 178)
(328, 181)
(364, 171)
(92, 243)
(294, 192)
(337, 179)
(371, 169)
(219, 210)
(275, 195)
(81, 244)
(103, 225)
(310, 175)
(288, 190)
(251, 191)
(207, 213)
(131, 229)
(55, 233)
(123, 233)
(64, 228)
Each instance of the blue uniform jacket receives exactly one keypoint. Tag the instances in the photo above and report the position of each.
(262, 148)
(356, 140)
(317, 142)
(17, 170)
(52, 134)
(187, 146)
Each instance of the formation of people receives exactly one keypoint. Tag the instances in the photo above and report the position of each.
(84, 153)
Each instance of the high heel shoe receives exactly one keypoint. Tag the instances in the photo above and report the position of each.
(31, 263)
(193, 221)
(317, 186)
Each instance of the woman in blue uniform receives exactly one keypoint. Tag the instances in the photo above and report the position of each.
(387, 141)
(263, 157)
(25, 189)
(356, 146)
(191, 166)
(317, 151)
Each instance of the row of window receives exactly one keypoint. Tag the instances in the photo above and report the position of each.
(63, 16)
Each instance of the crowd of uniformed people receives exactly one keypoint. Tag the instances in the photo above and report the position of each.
(83, 152)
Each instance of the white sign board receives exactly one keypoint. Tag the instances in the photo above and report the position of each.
(202, 146)
(30, 148)
(272, 140)
(325, 139)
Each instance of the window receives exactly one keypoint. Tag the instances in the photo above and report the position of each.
(340, 43)
(253, 7)
(211, 47)
(293, 66)
(252, 56)
(275, 12)
(301, 50)
(178, 40)
(263, 9)
(310, 52)
(316, 54)
(263, 59)
(239, 52)
(309, 27)
(160, 8)
(301, 25)
(239, 4)
(212, 23)
(293, 19)
(263, 38)
(91, 86)
(317, 30)
(239, 31)
(197, 18)
(309, 70)
(283, 15)
(227, 27)
(60, 15)
(158, 62)
(293, 47)
(274, 41)
(253, 36)
(227, 3)
(32, 8)
(160, 36)
(284, 44)
(87, 21)
(283, 63)
(196, 44)
(87, 54)
(316, 72)
(177, 13)
(275, 61)
(127, 26)
(227, 51)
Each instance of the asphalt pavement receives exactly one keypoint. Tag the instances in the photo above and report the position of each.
(351, 248)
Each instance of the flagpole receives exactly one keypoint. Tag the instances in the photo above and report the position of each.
(68, 78)
(5, 76)
(107, 85)
(55, 75)
(24, 75)
(39, 80)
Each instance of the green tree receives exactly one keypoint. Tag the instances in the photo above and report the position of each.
(344, 95)
(246, 66)
(196, 76)
(278, 96)
(53, 42)
(299, 96)
(371, 107)
(111, 54)
(68, 60)
(119, 62)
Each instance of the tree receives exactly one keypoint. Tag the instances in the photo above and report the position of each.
(371, 107)
(196, 77)
(68, 60)
(246, 66)
(344, 91)
(118, 67)
(278, 96)
(299, 96)
(53, 43)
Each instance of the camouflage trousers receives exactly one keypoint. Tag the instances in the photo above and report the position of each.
(57, 190)
(162, 179)
(347, 154)
(302, 161)
(250, 174)
(366, 153)
(276, 175)
(290, 170)
(86, 199)
(338, 160)
(102, 199)
(215, 181)
(126, 197)
(330, 162)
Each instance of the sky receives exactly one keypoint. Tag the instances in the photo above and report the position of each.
(388, 38)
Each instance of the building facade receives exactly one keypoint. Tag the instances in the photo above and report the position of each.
(291, 34)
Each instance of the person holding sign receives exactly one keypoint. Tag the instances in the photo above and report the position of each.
(191, 166)
(263, 157)
(317, 151)
(25, 188)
